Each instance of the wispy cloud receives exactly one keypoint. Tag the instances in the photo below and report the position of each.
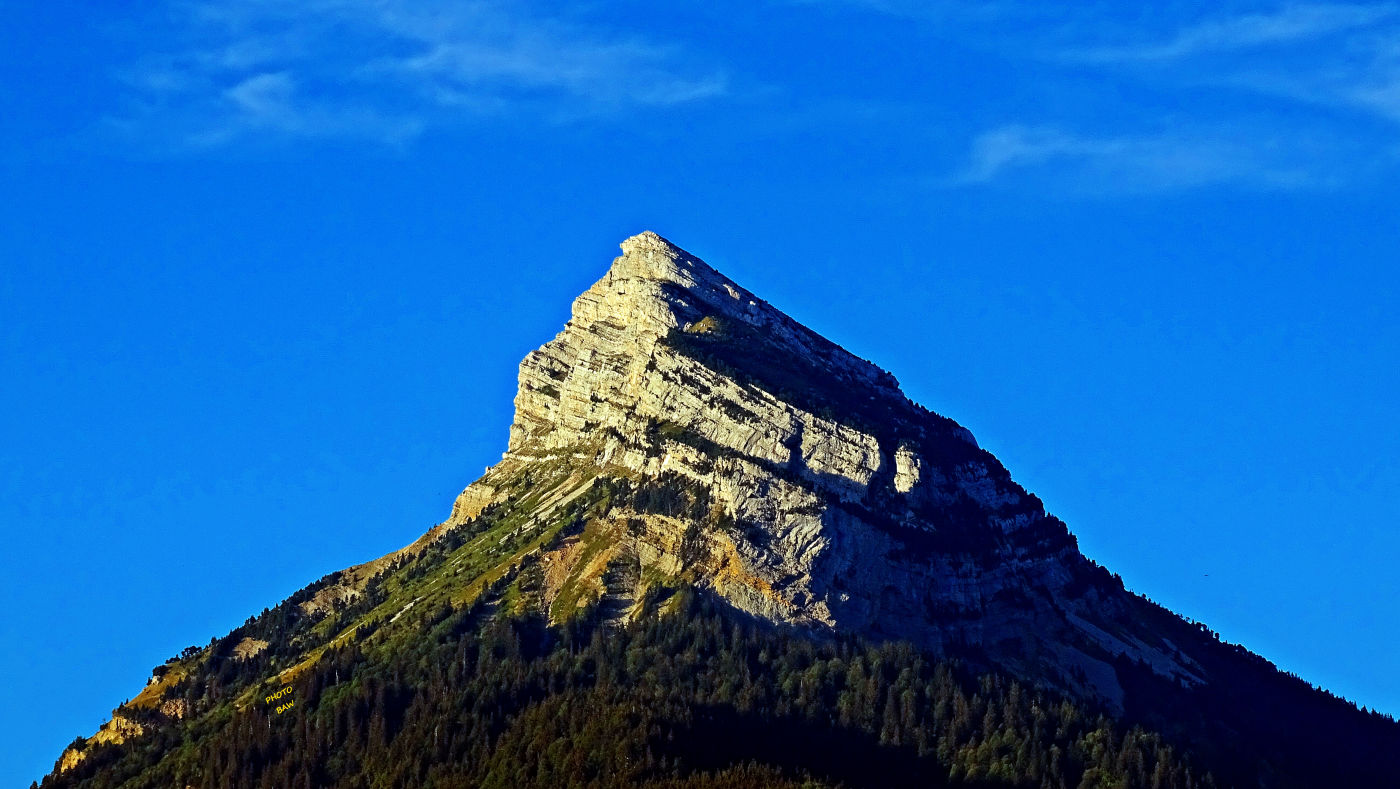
(1303, 95)
(1360, 77)
(1133, 163)
(388, 69)
(1338, 57)
(272, 102)
(1288, 25)
(1381, 96)
(1274, 96)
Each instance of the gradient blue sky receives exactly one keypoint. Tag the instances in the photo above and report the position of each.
(269, 267)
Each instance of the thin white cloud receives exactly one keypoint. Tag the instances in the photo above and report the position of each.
(607, 74)
(1163, 162)
(1315, 72)
(1289, 25)
(1362, 79)
(271, 102)
(1380, 97)
(1343, 56)
(387, 69)
(264, 94)
(1299, 94)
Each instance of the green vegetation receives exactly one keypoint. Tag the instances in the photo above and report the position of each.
(706, 325)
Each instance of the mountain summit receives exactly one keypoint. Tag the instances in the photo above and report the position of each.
(682, 440)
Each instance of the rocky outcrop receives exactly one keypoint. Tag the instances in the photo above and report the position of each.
(115, 731)
(248, 648)
(175, 709)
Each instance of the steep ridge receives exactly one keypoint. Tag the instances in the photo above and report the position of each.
(681, 433)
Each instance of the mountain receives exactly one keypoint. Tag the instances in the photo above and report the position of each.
(720, 550)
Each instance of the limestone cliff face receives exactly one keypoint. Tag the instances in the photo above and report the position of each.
(845, 506)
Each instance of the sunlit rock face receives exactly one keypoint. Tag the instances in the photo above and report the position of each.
(834, 502)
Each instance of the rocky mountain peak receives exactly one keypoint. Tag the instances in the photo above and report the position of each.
(658, 307)
(825, 498)
(649, 256)
(655, 286)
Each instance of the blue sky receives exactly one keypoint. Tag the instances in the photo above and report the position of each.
(269, 267)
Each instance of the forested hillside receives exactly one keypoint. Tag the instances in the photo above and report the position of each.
(686, 698)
